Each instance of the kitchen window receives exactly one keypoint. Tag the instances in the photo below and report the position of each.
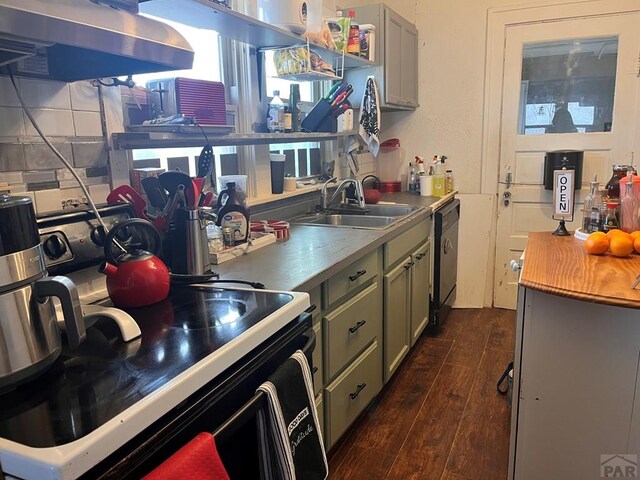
(568, 86)
(207, 65)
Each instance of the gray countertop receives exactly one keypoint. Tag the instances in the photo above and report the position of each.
(314, 254)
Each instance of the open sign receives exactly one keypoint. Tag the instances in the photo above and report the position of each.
(563, 194)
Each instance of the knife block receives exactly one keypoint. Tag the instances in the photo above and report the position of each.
(320, 118)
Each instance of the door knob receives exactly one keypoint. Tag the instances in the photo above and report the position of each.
(515, 266)
(506, 196)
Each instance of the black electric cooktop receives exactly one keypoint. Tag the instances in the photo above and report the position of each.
(90, 385)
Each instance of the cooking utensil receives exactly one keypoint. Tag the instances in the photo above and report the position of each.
(161, 222)
(207, 199)
(155, 193)
(138, 277)
(126, 194)
(172, 179)
(205, 162)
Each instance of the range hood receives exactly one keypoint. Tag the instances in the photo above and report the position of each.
(71, 40)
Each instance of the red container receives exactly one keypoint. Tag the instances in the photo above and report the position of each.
(386, 187)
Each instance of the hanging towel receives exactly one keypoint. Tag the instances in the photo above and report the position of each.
(288, 432)
(197, 460)
(370, 117)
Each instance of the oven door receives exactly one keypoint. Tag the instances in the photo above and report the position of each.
(209, 408)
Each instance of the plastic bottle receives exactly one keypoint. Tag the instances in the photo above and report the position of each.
(411, 179)
(611, 219)
(353, 44)
(233, 214)
(438, 180)
(592, 199)
(294, 105)
(275, 119)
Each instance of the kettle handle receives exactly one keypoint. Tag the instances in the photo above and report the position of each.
(66, 291)
(154, 247)
(376, 183)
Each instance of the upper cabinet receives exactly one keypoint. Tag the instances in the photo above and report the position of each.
(396, 48)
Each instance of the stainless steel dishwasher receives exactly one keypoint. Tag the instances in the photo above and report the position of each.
(445, 262)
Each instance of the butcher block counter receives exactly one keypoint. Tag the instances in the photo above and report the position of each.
(560, 266)
(575, 410)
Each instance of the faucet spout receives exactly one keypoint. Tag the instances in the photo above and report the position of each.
(326, 204)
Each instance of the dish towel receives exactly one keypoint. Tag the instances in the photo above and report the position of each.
(370, 118)
(197, 460)
(288, 432)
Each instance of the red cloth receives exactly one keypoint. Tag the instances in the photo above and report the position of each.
(197, 460)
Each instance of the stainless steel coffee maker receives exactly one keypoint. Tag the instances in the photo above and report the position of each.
(29, 335)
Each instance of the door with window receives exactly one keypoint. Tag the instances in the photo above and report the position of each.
(567, 85)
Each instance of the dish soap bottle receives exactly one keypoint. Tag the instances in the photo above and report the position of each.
(231, 213)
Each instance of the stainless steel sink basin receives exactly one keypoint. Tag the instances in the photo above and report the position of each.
(377, 217)
(386, 210)
(362, 221)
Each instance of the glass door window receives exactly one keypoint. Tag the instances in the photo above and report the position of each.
(568, 86)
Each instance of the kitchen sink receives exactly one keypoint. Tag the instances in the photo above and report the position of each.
(362, 221)
(387, 210)
(375, 217)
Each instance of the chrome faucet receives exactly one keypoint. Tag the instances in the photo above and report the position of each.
(325, 203)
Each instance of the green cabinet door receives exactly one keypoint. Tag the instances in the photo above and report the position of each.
(420, 275)
(397, 291)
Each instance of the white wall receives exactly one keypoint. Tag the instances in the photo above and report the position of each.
(452, 36)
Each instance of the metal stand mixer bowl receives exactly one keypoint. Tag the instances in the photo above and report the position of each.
(29, 335)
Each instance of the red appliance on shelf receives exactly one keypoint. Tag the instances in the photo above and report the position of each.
(201, 100)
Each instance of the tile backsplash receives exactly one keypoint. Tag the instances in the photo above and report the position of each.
(70, 115)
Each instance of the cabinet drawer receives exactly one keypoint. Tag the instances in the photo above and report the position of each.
(351, 327)
(400, 246)
(318, 379)
(352, 277)
(352, 391)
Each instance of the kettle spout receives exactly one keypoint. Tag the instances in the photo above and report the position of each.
(108, 269)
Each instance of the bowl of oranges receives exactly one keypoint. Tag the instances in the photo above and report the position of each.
(619, 243)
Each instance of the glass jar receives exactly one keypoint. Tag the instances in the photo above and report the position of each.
(611, 219)
(613, 185)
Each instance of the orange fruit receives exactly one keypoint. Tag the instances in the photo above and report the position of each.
(635, 234)
(636, 244)
(618, 233)
(596, 244)
(621, 246)
(598, 234)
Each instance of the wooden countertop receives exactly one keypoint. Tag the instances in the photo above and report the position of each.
(560, 266)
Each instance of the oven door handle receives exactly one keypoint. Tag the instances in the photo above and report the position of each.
(310, 345)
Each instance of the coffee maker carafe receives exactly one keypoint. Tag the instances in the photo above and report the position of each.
(29, 335)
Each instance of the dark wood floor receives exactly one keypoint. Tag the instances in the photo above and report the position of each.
(440, 417)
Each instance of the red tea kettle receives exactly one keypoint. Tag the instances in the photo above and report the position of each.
(137, 277)
(372, 194)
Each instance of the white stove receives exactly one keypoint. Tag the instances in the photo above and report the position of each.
(116, 409)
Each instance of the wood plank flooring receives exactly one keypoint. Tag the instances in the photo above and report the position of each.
(440, 417)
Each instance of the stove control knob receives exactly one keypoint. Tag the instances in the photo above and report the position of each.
(98, 235)
(54, 247)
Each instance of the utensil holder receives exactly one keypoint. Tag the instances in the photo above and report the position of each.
(320, 118)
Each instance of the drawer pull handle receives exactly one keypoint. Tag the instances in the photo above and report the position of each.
(355, 394)
(408, 265)
(358, 274)
(355, 328)
(315, 370)
(421, 256)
